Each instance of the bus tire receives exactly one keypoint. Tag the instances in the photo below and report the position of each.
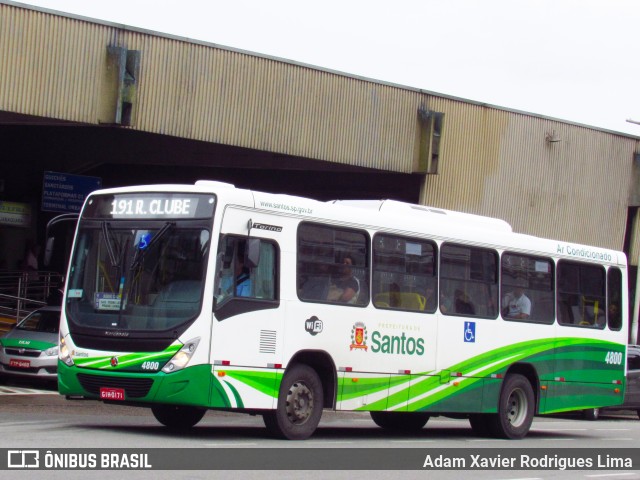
(515, 408)
(591, 414)
(300, 404)
(177, 416)
(400, 421)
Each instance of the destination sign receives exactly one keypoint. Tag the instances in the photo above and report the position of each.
(150, 206)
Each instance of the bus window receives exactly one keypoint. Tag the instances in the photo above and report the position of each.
(581, 294)
(332, 265)
(527, 288)
(404, 273)
(468, 281)
(238, 277)
(614, 299)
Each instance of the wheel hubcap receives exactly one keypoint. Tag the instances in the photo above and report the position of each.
(299, 403)
(517, 408)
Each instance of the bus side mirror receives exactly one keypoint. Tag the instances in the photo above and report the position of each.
(48, 251)
(252, 253)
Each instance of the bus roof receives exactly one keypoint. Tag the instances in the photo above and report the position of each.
(391, 215)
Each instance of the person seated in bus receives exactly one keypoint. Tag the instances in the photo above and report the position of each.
(446, 305)
(345, 286)
(463, 303)
(516, 304)
(430, 298)
(243, 281)
(241, 278)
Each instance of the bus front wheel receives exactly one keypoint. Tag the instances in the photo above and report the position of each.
(300, 404)
(515, 408)
(177, 416)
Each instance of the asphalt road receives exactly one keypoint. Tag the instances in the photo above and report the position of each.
(36, 417)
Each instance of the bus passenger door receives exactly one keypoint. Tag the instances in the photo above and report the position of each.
(246, 344)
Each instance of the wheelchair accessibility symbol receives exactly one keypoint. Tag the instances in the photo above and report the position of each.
(470, 332)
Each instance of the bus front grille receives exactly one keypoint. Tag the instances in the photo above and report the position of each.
(133, 387)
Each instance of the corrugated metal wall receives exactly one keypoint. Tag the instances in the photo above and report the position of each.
(501, 164)
(49, 65)
(236, 99)
(634, 248)
(53, 66)
(492, 162)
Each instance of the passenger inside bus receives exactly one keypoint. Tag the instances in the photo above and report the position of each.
(430, 298)
(463, 303)
(445, 302)
(345, 286)
(516, 304)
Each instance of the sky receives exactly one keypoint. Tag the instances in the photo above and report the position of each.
(575, 60)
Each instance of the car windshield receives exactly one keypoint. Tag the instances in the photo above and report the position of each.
(41, 321)
(147, 277)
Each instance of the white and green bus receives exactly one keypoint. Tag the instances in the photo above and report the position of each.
(184, 298)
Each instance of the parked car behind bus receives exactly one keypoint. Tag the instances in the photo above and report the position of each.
(30, 349)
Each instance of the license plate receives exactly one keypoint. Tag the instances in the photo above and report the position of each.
(111, 393)
(19, 363)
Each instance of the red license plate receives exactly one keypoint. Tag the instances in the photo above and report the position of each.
(19, 363)
(111, 393)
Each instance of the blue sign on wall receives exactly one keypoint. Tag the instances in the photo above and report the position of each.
(62, 192)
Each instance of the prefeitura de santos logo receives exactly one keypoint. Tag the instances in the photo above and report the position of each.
(358, 336)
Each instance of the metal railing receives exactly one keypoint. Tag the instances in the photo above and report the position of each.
(23, 292)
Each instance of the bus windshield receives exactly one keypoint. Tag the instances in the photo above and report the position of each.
(137, 276)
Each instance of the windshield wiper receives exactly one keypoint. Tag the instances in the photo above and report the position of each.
(140, 252)
(108, 242)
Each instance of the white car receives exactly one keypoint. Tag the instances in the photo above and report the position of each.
(30, 349)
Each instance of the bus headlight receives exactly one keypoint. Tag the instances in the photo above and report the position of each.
(182, 356)
(63, 352)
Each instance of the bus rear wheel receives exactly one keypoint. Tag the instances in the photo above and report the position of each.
(515, 409)
(400, 421)
(177, 416)
(300, 404)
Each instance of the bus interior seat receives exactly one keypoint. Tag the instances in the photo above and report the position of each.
(405, 300)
